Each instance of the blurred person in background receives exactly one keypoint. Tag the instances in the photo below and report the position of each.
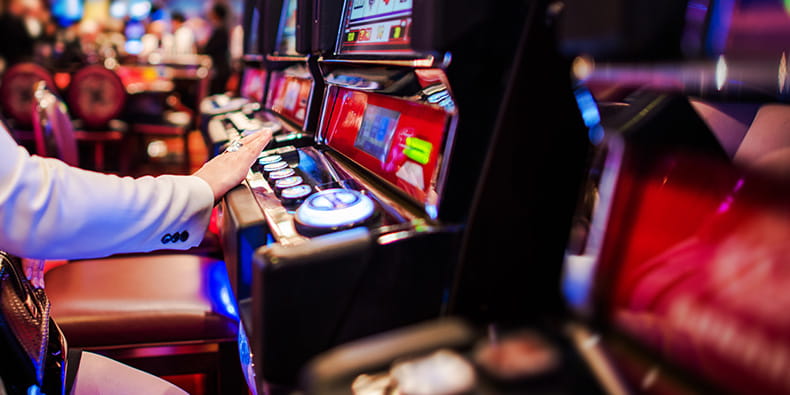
(16, 44)
(183, 37)
(217, 48)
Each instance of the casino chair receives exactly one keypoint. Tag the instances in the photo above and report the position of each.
(168, 314)
(96, 97)
(16, 98)
(171, 117)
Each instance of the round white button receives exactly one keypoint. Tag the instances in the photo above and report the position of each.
(288, 182)
(278, 174)
(334, 208)
(269, 167)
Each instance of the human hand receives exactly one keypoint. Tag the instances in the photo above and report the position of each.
(228, 169)
(34, 271)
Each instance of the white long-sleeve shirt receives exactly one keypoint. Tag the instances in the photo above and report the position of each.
(49, 210)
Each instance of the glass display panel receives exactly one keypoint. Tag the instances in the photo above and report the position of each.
(286, 35)
(375, 133)
(289, 92)
(252, 84)
(376, 26)
(252, 45)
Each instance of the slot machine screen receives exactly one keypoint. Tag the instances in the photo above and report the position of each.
(252, 31)
(376, 26)
(375, 132)
(252, 84)
(286, 35)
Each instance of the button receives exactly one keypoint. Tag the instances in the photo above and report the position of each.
(265, 160)
(278, 174)
(270, 167)
(296, 192)
(321, 202)
(288, 182)
(184, 236)
(166, 238)
(346, 197)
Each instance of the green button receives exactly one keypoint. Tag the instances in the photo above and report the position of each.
(418, 150)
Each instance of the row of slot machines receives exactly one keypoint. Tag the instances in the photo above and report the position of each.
(453, 204)
(352, 221)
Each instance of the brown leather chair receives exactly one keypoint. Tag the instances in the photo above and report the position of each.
(168, 314)
(97, 97)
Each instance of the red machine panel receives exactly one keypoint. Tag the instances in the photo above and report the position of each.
(400, 141)
(696, 265)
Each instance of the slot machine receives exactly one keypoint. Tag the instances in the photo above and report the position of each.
(676, 255)
(364, 226)
(287, 103)
(217, 110)
(275, 87)
(680, 243)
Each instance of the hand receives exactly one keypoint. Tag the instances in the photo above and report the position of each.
(34, 271)
(228, 169)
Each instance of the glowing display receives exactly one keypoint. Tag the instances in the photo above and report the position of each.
(252, 84)
(289, 92)
(286, 36)
(375, 134)
(372, 26)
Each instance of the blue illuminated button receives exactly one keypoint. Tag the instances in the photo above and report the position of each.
(335, 208)
(278, 174)
(265, 160)
(288, 182)
(296, 192)
(270, 167)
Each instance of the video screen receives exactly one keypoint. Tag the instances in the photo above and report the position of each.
(252, 33)
(375, 133)
(376, 26)
(253, 82)
(286, 35)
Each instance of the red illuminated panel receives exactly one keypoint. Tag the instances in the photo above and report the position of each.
(400, 141)
(252, 84)
(289, 96)
(697, 267)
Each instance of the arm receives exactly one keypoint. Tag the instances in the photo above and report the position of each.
(51, 210)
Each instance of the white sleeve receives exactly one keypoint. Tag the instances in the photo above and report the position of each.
(50, 210)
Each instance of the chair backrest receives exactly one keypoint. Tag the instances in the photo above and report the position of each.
(96, 96)
(16, 91)
(52, 127)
